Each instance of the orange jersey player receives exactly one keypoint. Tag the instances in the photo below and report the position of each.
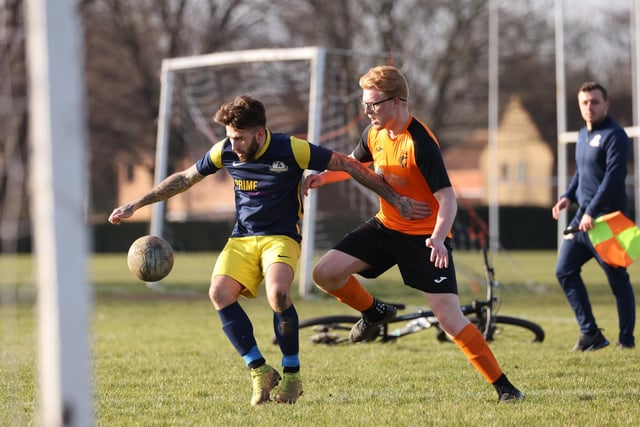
(406, 153)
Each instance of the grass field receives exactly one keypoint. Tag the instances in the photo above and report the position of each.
(161, 359)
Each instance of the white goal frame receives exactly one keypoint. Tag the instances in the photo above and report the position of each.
(316, 57)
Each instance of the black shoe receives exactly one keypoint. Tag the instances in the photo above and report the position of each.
(593, 342)
(509, 394)
(364, 330)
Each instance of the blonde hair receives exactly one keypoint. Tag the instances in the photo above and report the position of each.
(387, 79)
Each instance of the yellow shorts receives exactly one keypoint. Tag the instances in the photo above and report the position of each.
(246, 259)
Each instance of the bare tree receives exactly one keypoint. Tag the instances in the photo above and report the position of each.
(125, 44)
(441, 45)
(600, 51)
(14, 219)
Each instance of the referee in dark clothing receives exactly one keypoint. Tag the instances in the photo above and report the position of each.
(598, 188)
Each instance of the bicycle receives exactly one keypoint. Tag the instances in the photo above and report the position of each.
(334, 329)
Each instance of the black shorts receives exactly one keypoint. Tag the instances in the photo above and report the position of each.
(383, 248)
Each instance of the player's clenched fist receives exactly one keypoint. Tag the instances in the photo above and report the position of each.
(120, 213)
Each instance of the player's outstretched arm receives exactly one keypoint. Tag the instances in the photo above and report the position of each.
(408, 208)
(317, 180)
(169, 187)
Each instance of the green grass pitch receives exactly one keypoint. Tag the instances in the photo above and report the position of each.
(161, 359)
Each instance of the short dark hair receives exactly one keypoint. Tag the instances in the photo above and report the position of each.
(243, 113)
(591, 86)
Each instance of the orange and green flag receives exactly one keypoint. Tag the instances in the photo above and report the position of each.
(616, 238)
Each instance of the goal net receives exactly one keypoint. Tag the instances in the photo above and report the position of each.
(308, 92)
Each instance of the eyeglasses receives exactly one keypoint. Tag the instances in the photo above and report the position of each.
(372, 105)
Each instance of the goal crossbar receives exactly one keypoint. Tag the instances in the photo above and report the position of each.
(240, 56)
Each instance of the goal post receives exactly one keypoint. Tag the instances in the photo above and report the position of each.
(309, 92)
(58, 173)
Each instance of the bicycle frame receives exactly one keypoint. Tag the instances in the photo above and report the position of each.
(484, 311)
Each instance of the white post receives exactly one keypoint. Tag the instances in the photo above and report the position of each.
(493, 163)
(635, 81)
(315, 129)
(162, 146)
(562, 180)
(58, 184)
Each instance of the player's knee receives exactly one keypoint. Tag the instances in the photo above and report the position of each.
(279, 298)
(452, 321)
(328, 277)
(214, 295)
(319, 275)
(220, 296)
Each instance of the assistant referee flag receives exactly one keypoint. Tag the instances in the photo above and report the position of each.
(616, 238)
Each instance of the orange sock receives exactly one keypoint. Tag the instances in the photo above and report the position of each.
(475, 347)
(354, 295)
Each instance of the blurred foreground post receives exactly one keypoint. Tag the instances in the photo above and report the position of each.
(58, 193)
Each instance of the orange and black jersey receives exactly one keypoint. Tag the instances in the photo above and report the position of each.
(267, 189)
(412, 164)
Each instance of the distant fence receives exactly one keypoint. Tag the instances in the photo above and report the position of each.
(520, 228)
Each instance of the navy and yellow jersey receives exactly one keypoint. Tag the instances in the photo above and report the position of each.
(412, 164)
(267, 189)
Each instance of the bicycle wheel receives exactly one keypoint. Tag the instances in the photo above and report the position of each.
(516, 329)
(327, 329)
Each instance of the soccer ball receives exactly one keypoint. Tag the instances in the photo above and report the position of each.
(150, 258)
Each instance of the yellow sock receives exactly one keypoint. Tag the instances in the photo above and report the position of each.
(354, 295)
(475, 347)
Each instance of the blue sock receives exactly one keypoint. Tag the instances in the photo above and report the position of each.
(285, 326)
(238, 328)
(291, 363)
(254, 358)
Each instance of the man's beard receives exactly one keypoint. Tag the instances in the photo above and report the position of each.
(250, 154)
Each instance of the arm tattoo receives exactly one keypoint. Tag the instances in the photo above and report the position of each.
(169, 187)
(371, 180)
